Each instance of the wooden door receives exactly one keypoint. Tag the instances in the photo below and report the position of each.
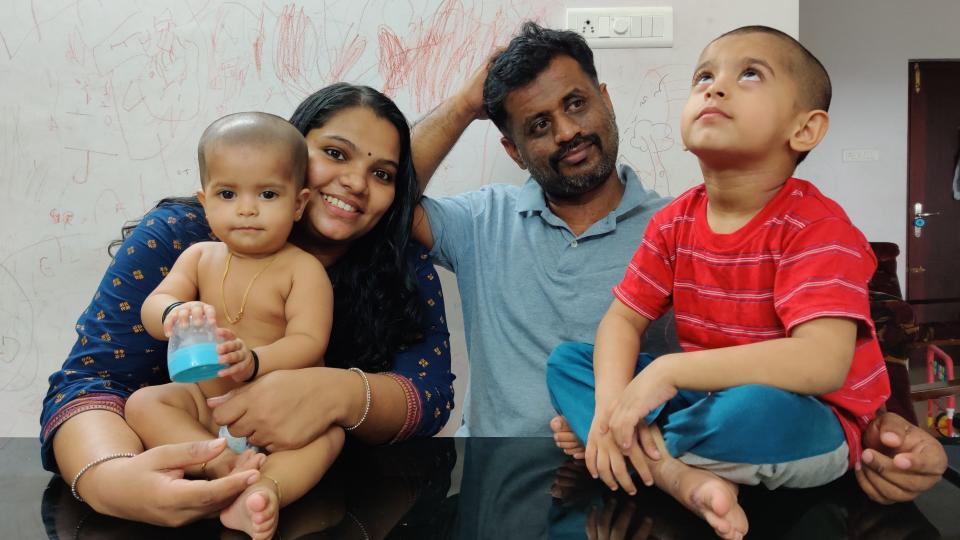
(933, 194)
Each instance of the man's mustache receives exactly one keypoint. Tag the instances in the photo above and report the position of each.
(555, 158)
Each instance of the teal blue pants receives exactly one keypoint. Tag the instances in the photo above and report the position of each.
(748, 434)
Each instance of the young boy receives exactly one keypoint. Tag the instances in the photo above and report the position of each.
(272, 301)
(768, 281)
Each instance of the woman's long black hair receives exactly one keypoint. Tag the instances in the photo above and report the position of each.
(377, 306)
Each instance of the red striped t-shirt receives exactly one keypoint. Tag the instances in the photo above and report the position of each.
(799, 259)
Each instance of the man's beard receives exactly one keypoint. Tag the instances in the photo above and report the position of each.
(560, 186)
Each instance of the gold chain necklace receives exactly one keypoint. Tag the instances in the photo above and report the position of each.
(243, 302)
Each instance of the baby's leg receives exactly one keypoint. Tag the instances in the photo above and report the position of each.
(759, 434)
(709, 496)
(285, 477)
(169, 413)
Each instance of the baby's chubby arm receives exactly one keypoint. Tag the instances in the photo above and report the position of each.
(814, 360)
(309, 313)
(180, 284)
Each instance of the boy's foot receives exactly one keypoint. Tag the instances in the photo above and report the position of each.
(704, 493)
(255, 511)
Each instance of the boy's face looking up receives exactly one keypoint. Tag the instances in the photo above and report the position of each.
(745, 107)
(250, 196)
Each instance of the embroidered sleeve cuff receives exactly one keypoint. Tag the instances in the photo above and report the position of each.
(89, 402)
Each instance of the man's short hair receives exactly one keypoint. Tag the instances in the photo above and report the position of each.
(260, 129)
(528, 55)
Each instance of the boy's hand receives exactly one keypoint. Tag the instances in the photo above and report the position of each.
(234, 353)
(651, 388)
(605, 460)
(189, 313)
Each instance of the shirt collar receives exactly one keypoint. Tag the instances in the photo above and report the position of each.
(532, 200)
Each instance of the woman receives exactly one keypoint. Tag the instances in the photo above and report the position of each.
(388, 322)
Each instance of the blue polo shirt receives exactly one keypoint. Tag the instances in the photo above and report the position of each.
(527, 284)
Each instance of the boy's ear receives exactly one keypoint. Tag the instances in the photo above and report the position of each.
(513, 152)
(811, 128)
(202, 197)
(302, 198)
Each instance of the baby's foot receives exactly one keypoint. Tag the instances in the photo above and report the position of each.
(255, 511)
(248, 460)
(228, 463)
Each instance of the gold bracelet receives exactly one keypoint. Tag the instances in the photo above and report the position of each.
(366, 408)
(85, 468)
(277, 485)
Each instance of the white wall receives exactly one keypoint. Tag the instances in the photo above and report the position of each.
(103, 103)
(865, 46)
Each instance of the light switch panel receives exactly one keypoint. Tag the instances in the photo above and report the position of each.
(623, 27)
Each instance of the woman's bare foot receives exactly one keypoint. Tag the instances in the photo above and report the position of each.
(255, 511)
(704, 493)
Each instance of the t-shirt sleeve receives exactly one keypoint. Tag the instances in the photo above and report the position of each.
(647, 285)
(823, 272)
(451, 223)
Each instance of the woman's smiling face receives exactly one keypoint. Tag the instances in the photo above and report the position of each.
(354, 160)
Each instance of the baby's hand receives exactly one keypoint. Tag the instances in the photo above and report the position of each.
(189, 313)
(234, 353)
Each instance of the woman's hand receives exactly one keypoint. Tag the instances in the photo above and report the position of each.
(286, 409)
(899, 460)
(150, 486)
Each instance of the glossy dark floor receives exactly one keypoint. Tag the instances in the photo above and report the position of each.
(485, 489)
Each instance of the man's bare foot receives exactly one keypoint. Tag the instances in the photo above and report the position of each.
(255, 511)
(704, 493)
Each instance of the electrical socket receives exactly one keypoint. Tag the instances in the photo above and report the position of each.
(589, 26)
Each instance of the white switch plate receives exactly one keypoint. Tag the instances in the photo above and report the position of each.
(622, 27)
(853, 155)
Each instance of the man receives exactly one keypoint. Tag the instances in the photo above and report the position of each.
(536, 263)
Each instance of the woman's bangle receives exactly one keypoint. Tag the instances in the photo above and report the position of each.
(366, 408)
(73, 485)
(168, 309)
(256, 366)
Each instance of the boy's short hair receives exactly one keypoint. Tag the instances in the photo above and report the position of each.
(527, 55)
(813, 82)
(256, 128)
